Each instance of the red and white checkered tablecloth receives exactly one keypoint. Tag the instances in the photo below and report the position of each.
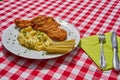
(89, 17)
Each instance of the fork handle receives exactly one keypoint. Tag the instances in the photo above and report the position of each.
(102, 57)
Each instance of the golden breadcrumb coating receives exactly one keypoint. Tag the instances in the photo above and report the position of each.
(45, 24)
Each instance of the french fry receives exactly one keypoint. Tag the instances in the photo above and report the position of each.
(68, 42)
(58, 50)
(72, 40)
(62, 46)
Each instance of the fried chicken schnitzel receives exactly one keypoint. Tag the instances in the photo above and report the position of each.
(23, 23)
(45, 24)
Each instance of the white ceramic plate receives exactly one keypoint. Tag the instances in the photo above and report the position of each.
(10, 42)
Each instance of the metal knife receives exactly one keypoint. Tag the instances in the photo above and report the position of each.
(115, 50)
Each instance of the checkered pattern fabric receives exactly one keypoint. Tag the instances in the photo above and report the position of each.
(89, 17)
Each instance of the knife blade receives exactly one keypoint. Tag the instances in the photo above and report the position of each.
(115, 50)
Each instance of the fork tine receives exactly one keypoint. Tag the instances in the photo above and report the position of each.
(102, 38)
(101, 35)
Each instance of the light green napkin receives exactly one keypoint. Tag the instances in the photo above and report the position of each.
(91, 46)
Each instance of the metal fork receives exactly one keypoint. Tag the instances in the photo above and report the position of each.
(102, 40)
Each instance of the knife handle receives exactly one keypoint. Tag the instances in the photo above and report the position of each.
(115, 59)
